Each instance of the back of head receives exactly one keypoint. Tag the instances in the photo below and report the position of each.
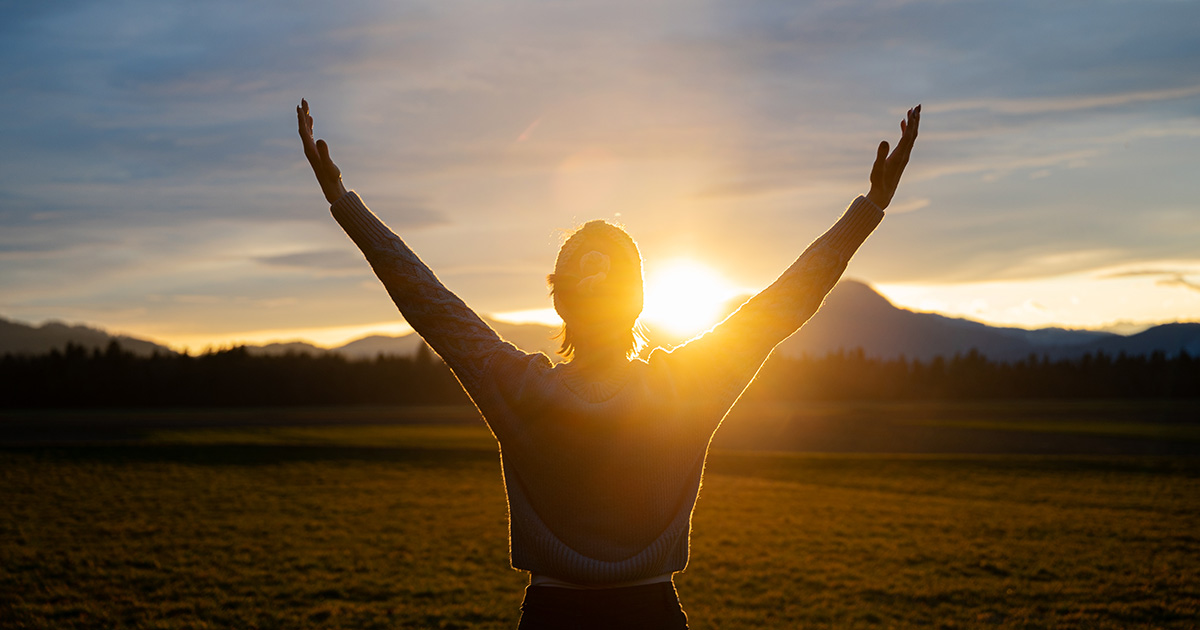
(597, 289)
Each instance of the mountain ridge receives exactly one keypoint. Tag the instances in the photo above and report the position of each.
(854, 316)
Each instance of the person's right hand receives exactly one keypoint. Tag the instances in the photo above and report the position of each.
(885, 174)
(328, 174)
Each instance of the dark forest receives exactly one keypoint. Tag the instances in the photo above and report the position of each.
(114, 377)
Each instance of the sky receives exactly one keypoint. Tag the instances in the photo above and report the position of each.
(152, 182)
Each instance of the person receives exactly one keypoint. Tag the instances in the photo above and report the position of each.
(602, 454)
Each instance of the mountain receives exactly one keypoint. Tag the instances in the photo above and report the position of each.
(375, 345)
(530, 337)
(18, 338)
(854, 316)
(1167, 338)
(286, 347)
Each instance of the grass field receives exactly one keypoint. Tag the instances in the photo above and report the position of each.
(403, 526)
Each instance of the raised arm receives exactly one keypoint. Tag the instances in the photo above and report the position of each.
(733, 351)
(453, 330)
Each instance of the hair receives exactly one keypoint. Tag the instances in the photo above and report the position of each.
(597, 289)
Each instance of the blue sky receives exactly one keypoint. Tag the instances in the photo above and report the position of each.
(151, 180)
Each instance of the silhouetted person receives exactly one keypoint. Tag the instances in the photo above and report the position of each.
(602, 454)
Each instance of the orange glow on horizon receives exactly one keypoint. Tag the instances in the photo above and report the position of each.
(1131, 296)
(324, 337)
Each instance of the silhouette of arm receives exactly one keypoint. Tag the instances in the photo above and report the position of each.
(725, 360)
(742, 341)
(463, 340)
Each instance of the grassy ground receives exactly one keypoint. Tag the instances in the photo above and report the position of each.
(404, 526)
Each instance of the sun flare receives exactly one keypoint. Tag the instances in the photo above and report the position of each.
(685, 297)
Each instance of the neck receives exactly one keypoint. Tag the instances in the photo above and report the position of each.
(598, 358)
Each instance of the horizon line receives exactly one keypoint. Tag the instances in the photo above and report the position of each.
(400, 329)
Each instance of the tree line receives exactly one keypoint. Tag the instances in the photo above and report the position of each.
(115, 377)
(854, 376)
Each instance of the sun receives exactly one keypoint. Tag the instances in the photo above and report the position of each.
(685, 298)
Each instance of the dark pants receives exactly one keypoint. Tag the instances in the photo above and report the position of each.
(649, 607)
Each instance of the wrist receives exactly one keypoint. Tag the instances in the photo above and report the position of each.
(334, 193)
(879, 199)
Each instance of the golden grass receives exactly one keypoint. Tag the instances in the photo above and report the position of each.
(404, 527)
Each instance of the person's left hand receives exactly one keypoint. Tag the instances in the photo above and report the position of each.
(328, 174)
(885, 174)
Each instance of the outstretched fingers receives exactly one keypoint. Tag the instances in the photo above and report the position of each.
(316, 152)
(879, 169)
(303, 119)
(886, 172)
(331, 169)
(305, 123)
(908, 134)
(908, 128)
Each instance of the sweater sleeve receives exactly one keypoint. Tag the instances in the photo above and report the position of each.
(724, 360)
(452, 329)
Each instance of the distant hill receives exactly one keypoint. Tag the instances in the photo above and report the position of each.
(1167, 338)
(376, 345)
(854, 316)
(18, 338)
(287, 347)
(530, 337)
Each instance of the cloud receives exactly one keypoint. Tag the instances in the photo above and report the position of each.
(1065, 103)
(1167, 277)
(907, 205)
(325, 260)
(996, 167)
(1178, 280)
(1139, 272)
(151, 145)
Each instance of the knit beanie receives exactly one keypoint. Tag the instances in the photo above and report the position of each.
(597, 278)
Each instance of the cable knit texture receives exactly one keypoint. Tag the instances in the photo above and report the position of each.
(603, 469)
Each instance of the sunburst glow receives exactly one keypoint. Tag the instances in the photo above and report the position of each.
(685, 297)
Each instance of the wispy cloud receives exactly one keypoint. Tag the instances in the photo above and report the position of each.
(150, 147)
(326, 260)
(1166, 277)
(1178, 280)
(1064, 103)
(995, 167)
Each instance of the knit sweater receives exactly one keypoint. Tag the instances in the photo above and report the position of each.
(602, 471)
